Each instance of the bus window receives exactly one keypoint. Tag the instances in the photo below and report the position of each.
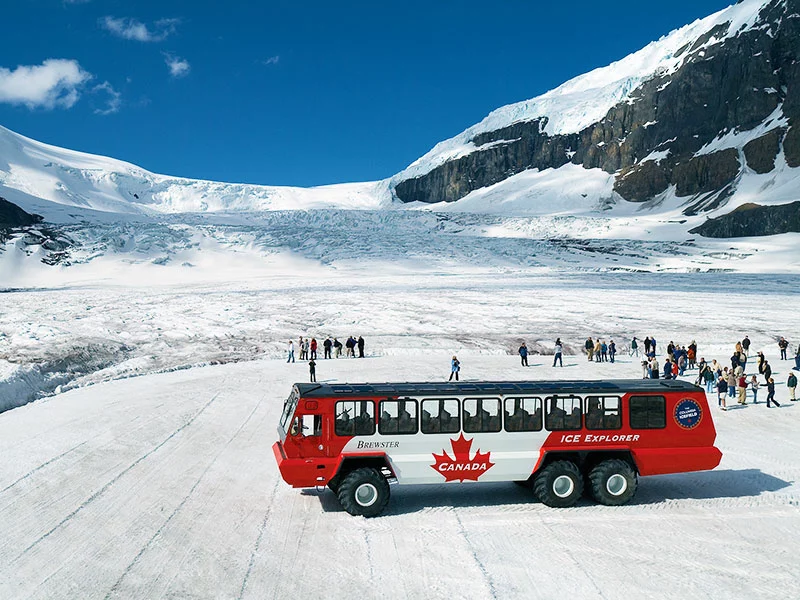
(307, 426)
(523, 414)
(603, 412)
(481, 415)
(288, 408)
(647, 412)
(398, 416)
(563, 413)
(440, 416)
(355, 418)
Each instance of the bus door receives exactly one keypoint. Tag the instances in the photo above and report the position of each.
(307, 430)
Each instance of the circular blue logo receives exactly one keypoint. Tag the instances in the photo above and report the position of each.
(688, 413)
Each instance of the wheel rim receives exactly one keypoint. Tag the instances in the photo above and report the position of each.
(616, 484)
(563, 486)
(366, 494)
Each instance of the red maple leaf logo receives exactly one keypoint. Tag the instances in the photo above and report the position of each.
(461, 467)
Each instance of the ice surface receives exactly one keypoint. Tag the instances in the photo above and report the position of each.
(165, 487)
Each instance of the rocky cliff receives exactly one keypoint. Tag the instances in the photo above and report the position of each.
(753, 220)
(12, 215)
(730, 104)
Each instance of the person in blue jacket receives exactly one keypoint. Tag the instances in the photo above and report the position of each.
(667, 369)
(455, 367)
(523, 354)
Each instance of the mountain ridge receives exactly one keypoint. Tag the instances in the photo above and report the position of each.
(717, 110)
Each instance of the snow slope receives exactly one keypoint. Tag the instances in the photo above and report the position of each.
(31, 171)
(165, 487)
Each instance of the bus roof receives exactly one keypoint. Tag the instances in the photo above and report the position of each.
(461, 388)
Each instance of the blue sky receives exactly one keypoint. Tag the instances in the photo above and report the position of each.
(296, 93)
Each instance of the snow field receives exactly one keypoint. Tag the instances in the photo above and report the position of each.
(79, 335)
(165, 486)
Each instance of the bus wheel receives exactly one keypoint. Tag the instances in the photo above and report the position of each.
(613, 482)
(559, 484)
(364, 492)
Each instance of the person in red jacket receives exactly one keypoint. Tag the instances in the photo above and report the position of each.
(313, 348)
(741, 388)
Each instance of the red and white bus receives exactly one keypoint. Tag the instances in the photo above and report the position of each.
(556, 436)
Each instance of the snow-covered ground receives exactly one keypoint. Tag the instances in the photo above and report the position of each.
(165, 486)
(145, 318)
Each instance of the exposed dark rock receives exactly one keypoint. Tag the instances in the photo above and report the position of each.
(732, 85)
(753, 220)
(791, 146)
(643, 181)
(706, 173)
(12, 215)
(760, 153)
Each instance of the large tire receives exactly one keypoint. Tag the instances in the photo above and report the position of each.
(613, 482)
(364, 492)
(559, 484)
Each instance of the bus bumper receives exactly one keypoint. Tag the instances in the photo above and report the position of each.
(660, 461)
(303, 472)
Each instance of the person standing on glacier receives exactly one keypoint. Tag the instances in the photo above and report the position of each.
(312, 370)
(558, 352)
(455, 367)
(523, 354)
(291, 352)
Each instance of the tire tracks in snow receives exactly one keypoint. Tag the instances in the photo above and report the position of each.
(486, 577)
(119, 476)
(181, 504)
(257, 546)
(42, 466)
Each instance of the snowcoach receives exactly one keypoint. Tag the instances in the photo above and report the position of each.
(556, 437)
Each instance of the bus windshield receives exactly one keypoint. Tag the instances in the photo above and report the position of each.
(288, 409)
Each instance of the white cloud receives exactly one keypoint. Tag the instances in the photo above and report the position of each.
(272, 60)
(113, 101)
(178, 67)
(131, 29)
(56, 83)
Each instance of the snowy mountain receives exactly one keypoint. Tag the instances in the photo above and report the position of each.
(706, 118)
(633, 166)
(51, 181)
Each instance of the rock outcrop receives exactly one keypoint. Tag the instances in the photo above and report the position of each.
(753, 220)
(12, 215)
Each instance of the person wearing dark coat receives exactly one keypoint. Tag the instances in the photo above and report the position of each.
(767, 371)
(523, 354)
(746, 345)
(783, 345)
(312, 370)
(360, 347)
(668, 369)
(327, 345)
(771, 392)
(722, 391)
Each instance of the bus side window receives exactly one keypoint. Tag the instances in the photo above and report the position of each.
(523, 414)
(398, 416)
(563, 413)
(481, 415)
(647, 412)
(355, 418)
(441, 415)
